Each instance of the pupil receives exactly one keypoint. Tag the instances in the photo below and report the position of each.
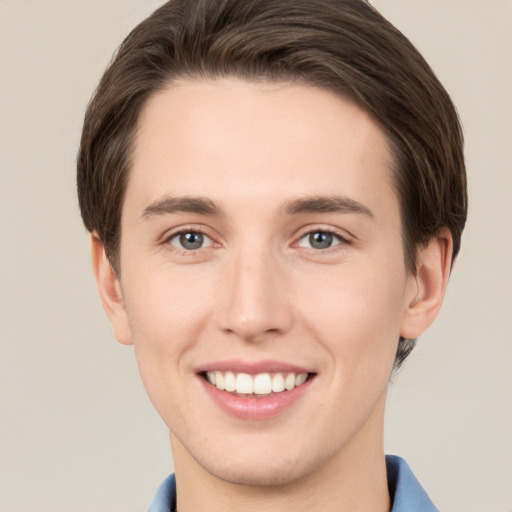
(320, 240)
(191, 241)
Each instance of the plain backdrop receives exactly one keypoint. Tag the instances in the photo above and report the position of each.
(77, 432)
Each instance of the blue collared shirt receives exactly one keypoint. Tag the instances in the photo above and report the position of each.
(406, 493)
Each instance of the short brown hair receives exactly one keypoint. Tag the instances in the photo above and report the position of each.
(345, 46)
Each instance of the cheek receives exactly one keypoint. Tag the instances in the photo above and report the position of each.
(166, 311)
(167, 316)
(357, 316)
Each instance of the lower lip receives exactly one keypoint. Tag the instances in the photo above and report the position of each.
(251, 407)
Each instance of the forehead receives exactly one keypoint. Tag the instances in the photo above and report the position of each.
(229, 139)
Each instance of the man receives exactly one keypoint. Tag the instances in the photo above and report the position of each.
(275, 193)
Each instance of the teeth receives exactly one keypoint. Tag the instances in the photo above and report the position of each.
(219, 380)
(300, 379)
(230, 381)
(244, 384)
(277, 383)
(260, 384)
(289, 382)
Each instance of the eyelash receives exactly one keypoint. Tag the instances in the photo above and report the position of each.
(188, 252)
(342, 240)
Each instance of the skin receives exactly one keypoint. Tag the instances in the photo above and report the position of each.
(257, 289)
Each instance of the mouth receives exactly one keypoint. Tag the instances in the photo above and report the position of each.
(255, 390)
(258, 385)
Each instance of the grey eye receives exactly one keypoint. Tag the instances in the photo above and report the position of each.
(319, 240)
(190, 240)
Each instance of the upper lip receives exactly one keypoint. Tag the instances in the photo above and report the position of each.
(252, 367)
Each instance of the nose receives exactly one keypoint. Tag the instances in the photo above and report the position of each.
(255, 302)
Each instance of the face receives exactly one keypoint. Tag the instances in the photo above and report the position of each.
(261, 252)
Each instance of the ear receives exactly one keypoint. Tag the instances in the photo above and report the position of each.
(427, 293)
(110, 291)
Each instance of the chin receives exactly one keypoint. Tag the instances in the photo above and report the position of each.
(267, 472)
(258, 478)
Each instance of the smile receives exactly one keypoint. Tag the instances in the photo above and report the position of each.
(261, 384)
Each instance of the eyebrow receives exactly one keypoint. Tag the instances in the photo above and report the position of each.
(183, 204)
(326, 204)
(303, 205)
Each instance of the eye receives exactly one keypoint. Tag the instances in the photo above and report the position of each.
(320, 240)
(190, 240)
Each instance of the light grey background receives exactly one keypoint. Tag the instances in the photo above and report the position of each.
(77, 432)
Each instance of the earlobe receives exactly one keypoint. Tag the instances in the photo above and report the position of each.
(110, 291)
(433, 271)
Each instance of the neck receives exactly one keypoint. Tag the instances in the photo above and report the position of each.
(354, 480)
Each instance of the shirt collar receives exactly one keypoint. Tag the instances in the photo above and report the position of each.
(406, 493)
(165, 497)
